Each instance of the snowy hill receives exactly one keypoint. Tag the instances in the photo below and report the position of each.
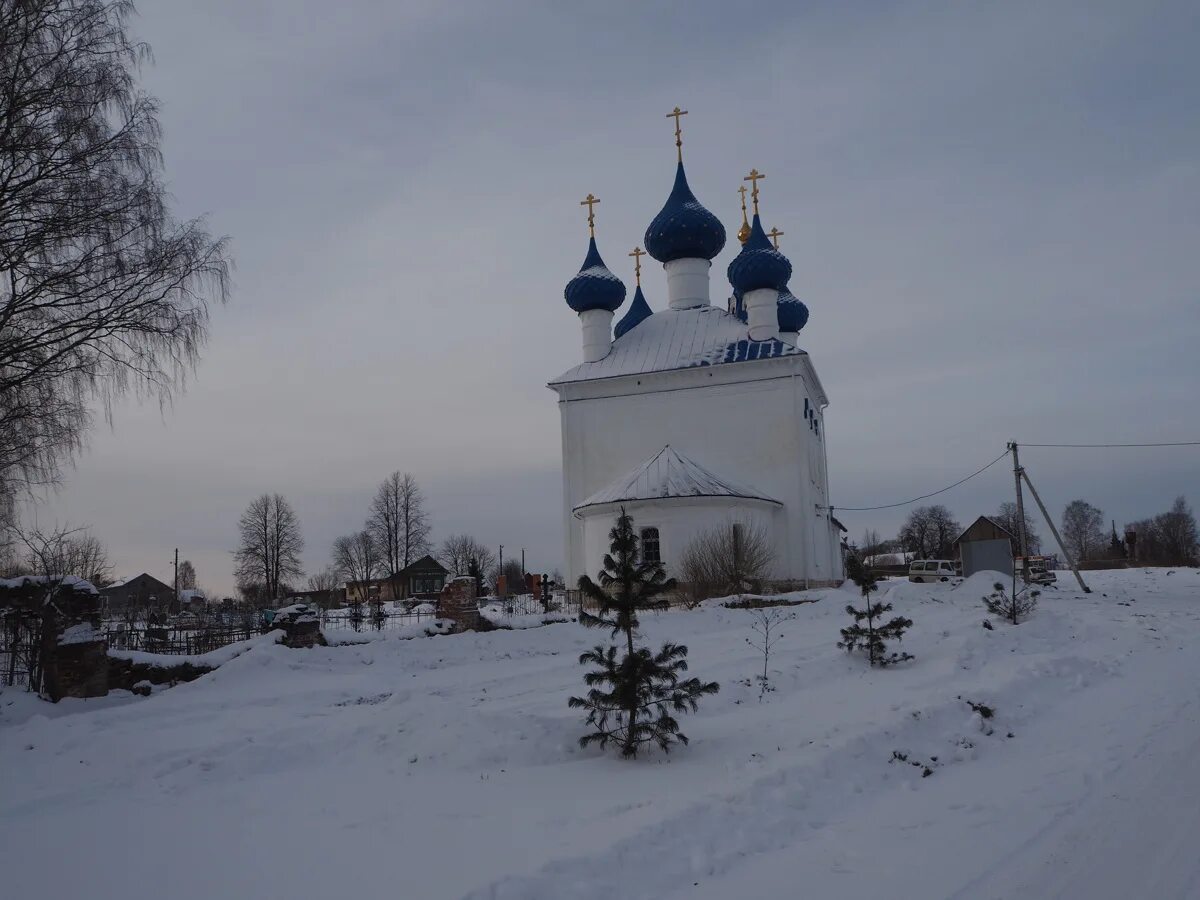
(448, 766)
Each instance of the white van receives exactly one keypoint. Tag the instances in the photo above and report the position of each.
(926, 570)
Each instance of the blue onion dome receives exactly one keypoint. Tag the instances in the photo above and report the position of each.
(793, 314)
(684, 229)
(594, 287)
(639, 310)
(759, 265)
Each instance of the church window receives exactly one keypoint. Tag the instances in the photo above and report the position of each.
(651, 551)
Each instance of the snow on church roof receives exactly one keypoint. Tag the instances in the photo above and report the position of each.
(670, 474)
(679, 339)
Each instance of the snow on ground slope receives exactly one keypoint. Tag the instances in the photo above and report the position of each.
(448, 766)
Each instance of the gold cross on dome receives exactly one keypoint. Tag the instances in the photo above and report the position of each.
(743, 234)
(676, 113)
(775, 234)
(590, 201)
(753, 178)
(637, 253)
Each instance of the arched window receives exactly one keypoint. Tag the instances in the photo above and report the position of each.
(650, 546)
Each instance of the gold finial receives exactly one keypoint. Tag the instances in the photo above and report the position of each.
(753, 178)
(677, 112)
(590, 201)
(637, 253)
(775, 234)
(743, 234)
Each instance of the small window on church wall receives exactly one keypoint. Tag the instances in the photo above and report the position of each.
(650, 547)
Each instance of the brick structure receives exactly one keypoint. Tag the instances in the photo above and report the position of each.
(458, 603)
(77, 664)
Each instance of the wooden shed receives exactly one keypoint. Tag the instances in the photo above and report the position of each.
(985, 547)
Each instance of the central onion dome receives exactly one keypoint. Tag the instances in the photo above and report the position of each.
(639, 311)
(684, 229)
(793, 314)
(595, 287)
(759, 265)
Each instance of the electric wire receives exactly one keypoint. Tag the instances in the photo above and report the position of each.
(923, 496)
(1105, 446)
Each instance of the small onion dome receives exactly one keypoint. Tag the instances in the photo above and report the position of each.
(684, 229)
(793, 314)
(594, 287)
(759, 265)
(639, 309)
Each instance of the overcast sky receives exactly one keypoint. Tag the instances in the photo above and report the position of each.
(992, 211)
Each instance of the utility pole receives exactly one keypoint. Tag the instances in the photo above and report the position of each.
(522, 562)
(501, 570)
(176, 575)
(1022, 537)
(1054, 531)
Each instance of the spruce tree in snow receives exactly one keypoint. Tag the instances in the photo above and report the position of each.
(1016, 605)
(874, 635)
(634, 694)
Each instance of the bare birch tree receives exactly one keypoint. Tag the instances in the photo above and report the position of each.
(271, 545)
(102, 290)
(398, 521)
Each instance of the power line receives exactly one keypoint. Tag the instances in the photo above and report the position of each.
(927, 496)
(1164, 444)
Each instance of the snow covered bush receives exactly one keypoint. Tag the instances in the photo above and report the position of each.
(875, 634)
(632, 696)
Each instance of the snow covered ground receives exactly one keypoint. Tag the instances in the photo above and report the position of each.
(448, 766)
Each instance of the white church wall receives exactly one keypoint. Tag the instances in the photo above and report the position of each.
(678, 522)
(748, 431)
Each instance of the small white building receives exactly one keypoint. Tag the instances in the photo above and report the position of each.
(695, 416)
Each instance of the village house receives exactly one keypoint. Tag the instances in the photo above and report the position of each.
(420, 580)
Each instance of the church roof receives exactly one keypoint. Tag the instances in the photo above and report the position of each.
(679, 339)
(669, 474)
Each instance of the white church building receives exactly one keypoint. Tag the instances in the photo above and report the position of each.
(695, 416)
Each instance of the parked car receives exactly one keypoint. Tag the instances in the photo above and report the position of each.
(1039, 570)
(929, 570)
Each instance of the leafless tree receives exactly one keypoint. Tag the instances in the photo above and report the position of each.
(729, 559)
(87, 557)
(464, 555)
(929, 532)
(1177, 533)
(1006, 518)
(101, 289)
(51, 554)
(870, 546)
(1083, 530)
(1168, 539)
(766, 635)
(187, 576)
(328, 579)
(398, 521)
(271, 544)
(357, 558)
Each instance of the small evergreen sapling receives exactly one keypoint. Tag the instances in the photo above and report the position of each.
(1016, 606)
(873, 636)
(633, 696)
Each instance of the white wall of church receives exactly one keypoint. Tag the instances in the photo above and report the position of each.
(752, 432)
(678, 523)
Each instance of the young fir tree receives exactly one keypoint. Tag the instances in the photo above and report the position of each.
(874, 635)
(1016, 606)
(633, 695)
